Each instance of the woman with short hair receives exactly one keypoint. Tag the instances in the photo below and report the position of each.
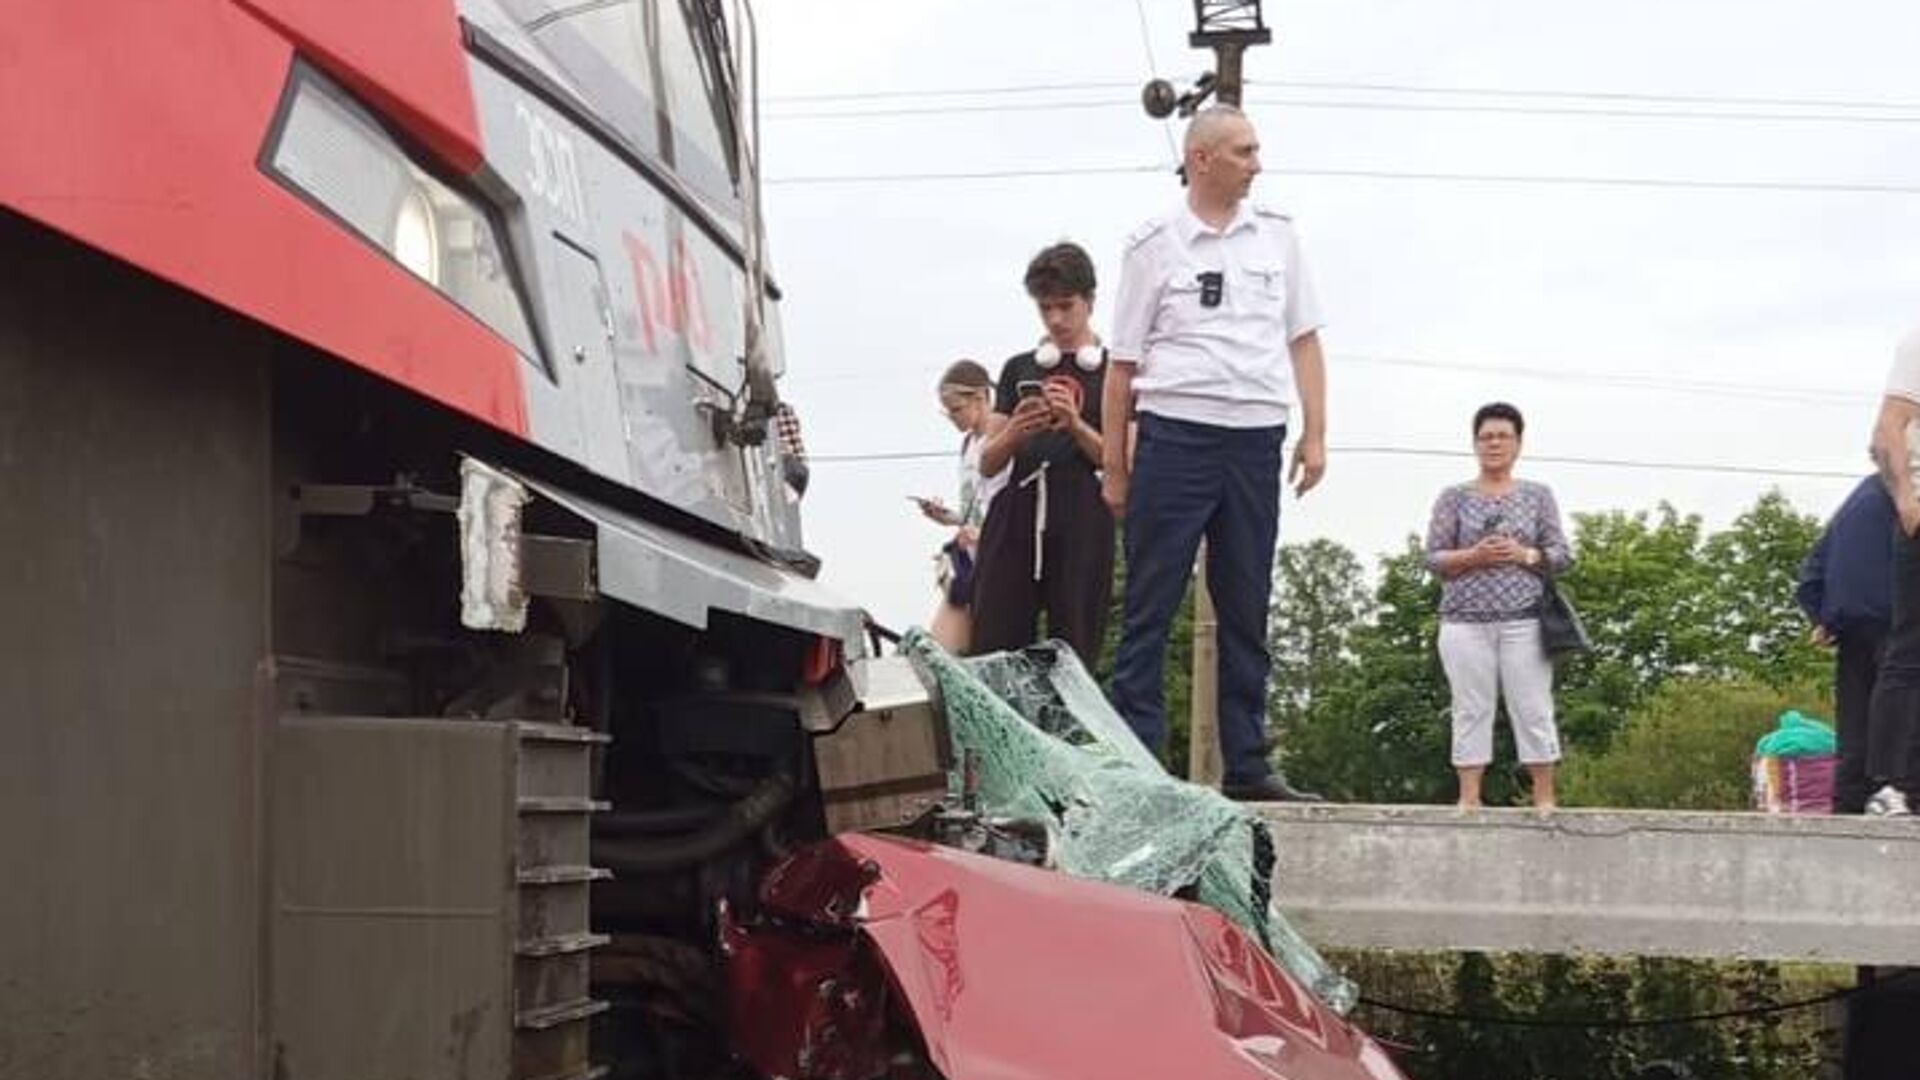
(1496, 541)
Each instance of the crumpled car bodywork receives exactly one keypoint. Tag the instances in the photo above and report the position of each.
(990, 970)
(1047, 747)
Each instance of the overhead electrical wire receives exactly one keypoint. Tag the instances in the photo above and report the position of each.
(1595, 95)
(1678, 183)
(984, 174)
(1712, 468)
(1604, 112)
(1673, 183)
(1660, 182)
(1153, 68)
(1797, 395)
(1411, 89)
(936, 110)
(1902, 112)
(1622, 380)
(979, 91)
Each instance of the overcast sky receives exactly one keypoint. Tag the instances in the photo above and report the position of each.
(1745, 326)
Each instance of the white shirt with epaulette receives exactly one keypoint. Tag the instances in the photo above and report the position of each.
(1214, 356)
(1904, 382)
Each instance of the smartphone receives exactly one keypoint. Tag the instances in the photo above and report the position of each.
(1029, 388)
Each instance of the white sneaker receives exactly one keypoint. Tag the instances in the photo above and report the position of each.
(1889, 801)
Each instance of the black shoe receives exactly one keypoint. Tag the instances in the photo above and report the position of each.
(1272, 787)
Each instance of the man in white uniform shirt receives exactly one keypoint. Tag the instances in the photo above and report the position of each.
(1215, 331)
(1893, 717)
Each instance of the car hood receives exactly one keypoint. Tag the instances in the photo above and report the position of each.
(1011, 972)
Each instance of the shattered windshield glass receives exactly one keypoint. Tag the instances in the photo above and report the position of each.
(1044, 744)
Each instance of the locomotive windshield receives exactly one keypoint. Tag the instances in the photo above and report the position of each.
(657, 71)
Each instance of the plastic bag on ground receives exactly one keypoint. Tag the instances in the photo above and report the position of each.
(1793, 767)
(1046, 745)
(1797, 735)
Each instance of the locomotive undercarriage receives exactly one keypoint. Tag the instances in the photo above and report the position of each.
(695, 773)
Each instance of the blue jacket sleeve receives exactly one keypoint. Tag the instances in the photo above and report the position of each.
(1810, 591)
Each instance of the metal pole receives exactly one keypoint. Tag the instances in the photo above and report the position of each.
(1203, 735)
(1227, 82)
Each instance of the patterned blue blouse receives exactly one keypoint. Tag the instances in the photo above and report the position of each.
(1463, 516)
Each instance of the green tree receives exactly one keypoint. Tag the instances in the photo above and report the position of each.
(1639, 585)
(1752, 566)
(1755, 1048)
(1483, 1051)
(1663, 600)
(1377, 730)
(1574, 991)
(1526, 1017)
(1686, 747)
(1670, 987)
(1320, 598)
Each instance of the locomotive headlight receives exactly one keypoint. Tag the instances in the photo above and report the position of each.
(416, 237)
(336, 155)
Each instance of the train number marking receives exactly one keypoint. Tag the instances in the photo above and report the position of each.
(554, 174)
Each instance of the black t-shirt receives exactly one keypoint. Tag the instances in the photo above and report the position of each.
(1056, 447)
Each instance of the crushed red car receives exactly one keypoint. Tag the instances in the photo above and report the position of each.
(875, 957)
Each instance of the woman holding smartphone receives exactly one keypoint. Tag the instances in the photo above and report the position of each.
(1494, 541)
(966, 399)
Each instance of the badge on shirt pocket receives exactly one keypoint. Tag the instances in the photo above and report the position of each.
(1182, 296)
(1268, 281)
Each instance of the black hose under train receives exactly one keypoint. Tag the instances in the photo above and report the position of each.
(657, 822)
(734, 826)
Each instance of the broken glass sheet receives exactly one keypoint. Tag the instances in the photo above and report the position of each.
(1044, 744)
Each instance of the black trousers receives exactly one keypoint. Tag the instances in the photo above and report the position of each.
(1074, 584)
(1895, 713)
(1856, 670)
